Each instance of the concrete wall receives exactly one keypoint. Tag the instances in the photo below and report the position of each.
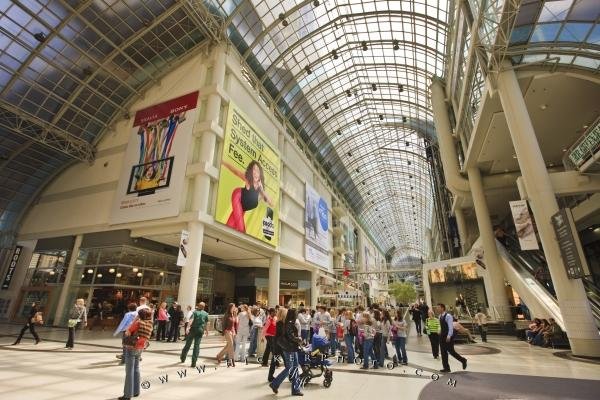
(80, 199)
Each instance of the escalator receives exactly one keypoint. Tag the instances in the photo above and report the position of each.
(528, 274)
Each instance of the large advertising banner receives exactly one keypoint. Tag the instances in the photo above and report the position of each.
(153, 175)
(523, 225)
(248, 195)
(316, 224)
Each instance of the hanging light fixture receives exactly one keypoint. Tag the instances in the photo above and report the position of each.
(374, 87)
(381, 117)
(401, 88)
(334, 54)
(308, 70)
(396, 44)
(348, 93)
(364, 46)
(326, 106)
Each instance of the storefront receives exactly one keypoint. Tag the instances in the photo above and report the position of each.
(252, 285)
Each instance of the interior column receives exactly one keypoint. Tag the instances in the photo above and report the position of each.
(188, 283)
(572, 299)
(497, 298)
(314, 289)
(274, 273)
(462, 229)
(62, 300)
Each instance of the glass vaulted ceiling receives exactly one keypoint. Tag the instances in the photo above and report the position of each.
(353, 78)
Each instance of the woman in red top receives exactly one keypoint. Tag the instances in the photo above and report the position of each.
(140, 328)
(230, 326)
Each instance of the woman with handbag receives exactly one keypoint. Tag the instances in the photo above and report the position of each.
(134, 342)
(77, 316)
(35, 317)
(287, 339)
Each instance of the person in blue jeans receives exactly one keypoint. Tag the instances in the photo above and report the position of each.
(350, 333)
(288, 340)
(399, 328)
(369, 331)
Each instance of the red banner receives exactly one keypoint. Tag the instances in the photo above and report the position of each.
(163, 110)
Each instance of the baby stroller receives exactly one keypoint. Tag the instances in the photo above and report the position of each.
(314, 363)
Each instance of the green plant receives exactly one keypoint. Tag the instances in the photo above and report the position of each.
(404, 292)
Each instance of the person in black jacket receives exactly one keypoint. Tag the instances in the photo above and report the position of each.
(176, 317)
(416, 317)
(288, 340)
(29, 324)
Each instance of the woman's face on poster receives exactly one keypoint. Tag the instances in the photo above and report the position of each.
(149, 172)
(256, 173)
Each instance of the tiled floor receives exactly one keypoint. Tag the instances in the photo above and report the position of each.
(90, 371)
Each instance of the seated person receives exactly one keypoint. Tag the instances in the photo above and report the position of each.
(461, 329)
(534, 327)
(554, 332)
(538, 340)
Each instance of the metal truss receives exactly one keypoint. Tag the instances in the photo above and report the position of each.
(18, 121)
(491, 41)
(211, 24)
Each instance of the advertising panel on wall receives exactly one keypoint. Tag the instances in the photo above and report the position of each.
(183, 248)
(248, 195)
(316, 224)
(523, 225)
(153, 173)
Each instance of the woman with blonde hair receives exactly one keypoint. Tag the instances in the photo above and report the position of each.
(230, 327)
(77, 317)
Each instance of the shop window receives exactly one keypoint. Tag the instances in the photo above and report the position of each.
(48, 267)
(110, 255)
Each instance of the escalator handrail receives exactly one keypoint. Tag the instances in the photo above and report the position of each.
(520, 262)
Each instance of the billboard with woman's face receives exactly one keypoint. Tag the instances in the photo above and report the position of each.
(248, 195)
(154, 165)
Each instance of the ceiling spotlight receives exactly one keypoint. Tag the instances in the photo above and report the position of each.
(51, 272)
(348, 93)
(364, 46)
(374, 87)
(396, 44)
(364, 183)
(112, 270)
(349, 154)
(90, 271)
(99, 275)
(139, 275)
(334, 54)
(135, 269)
(119, 274)
(162, 274)
(308, 70)
(326, 106)
(339, 132)
(358, 121)
(40, 37)
(381, 117)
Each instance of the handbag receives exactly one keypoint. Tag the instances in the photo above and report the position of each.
(72, 323)
(38, 319)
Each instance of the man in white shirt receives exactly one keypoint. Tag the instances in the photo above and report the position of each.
(482, 322)
(447, 339)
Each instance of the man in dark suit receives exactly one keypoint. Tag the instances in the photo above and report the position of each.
(447, 340)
